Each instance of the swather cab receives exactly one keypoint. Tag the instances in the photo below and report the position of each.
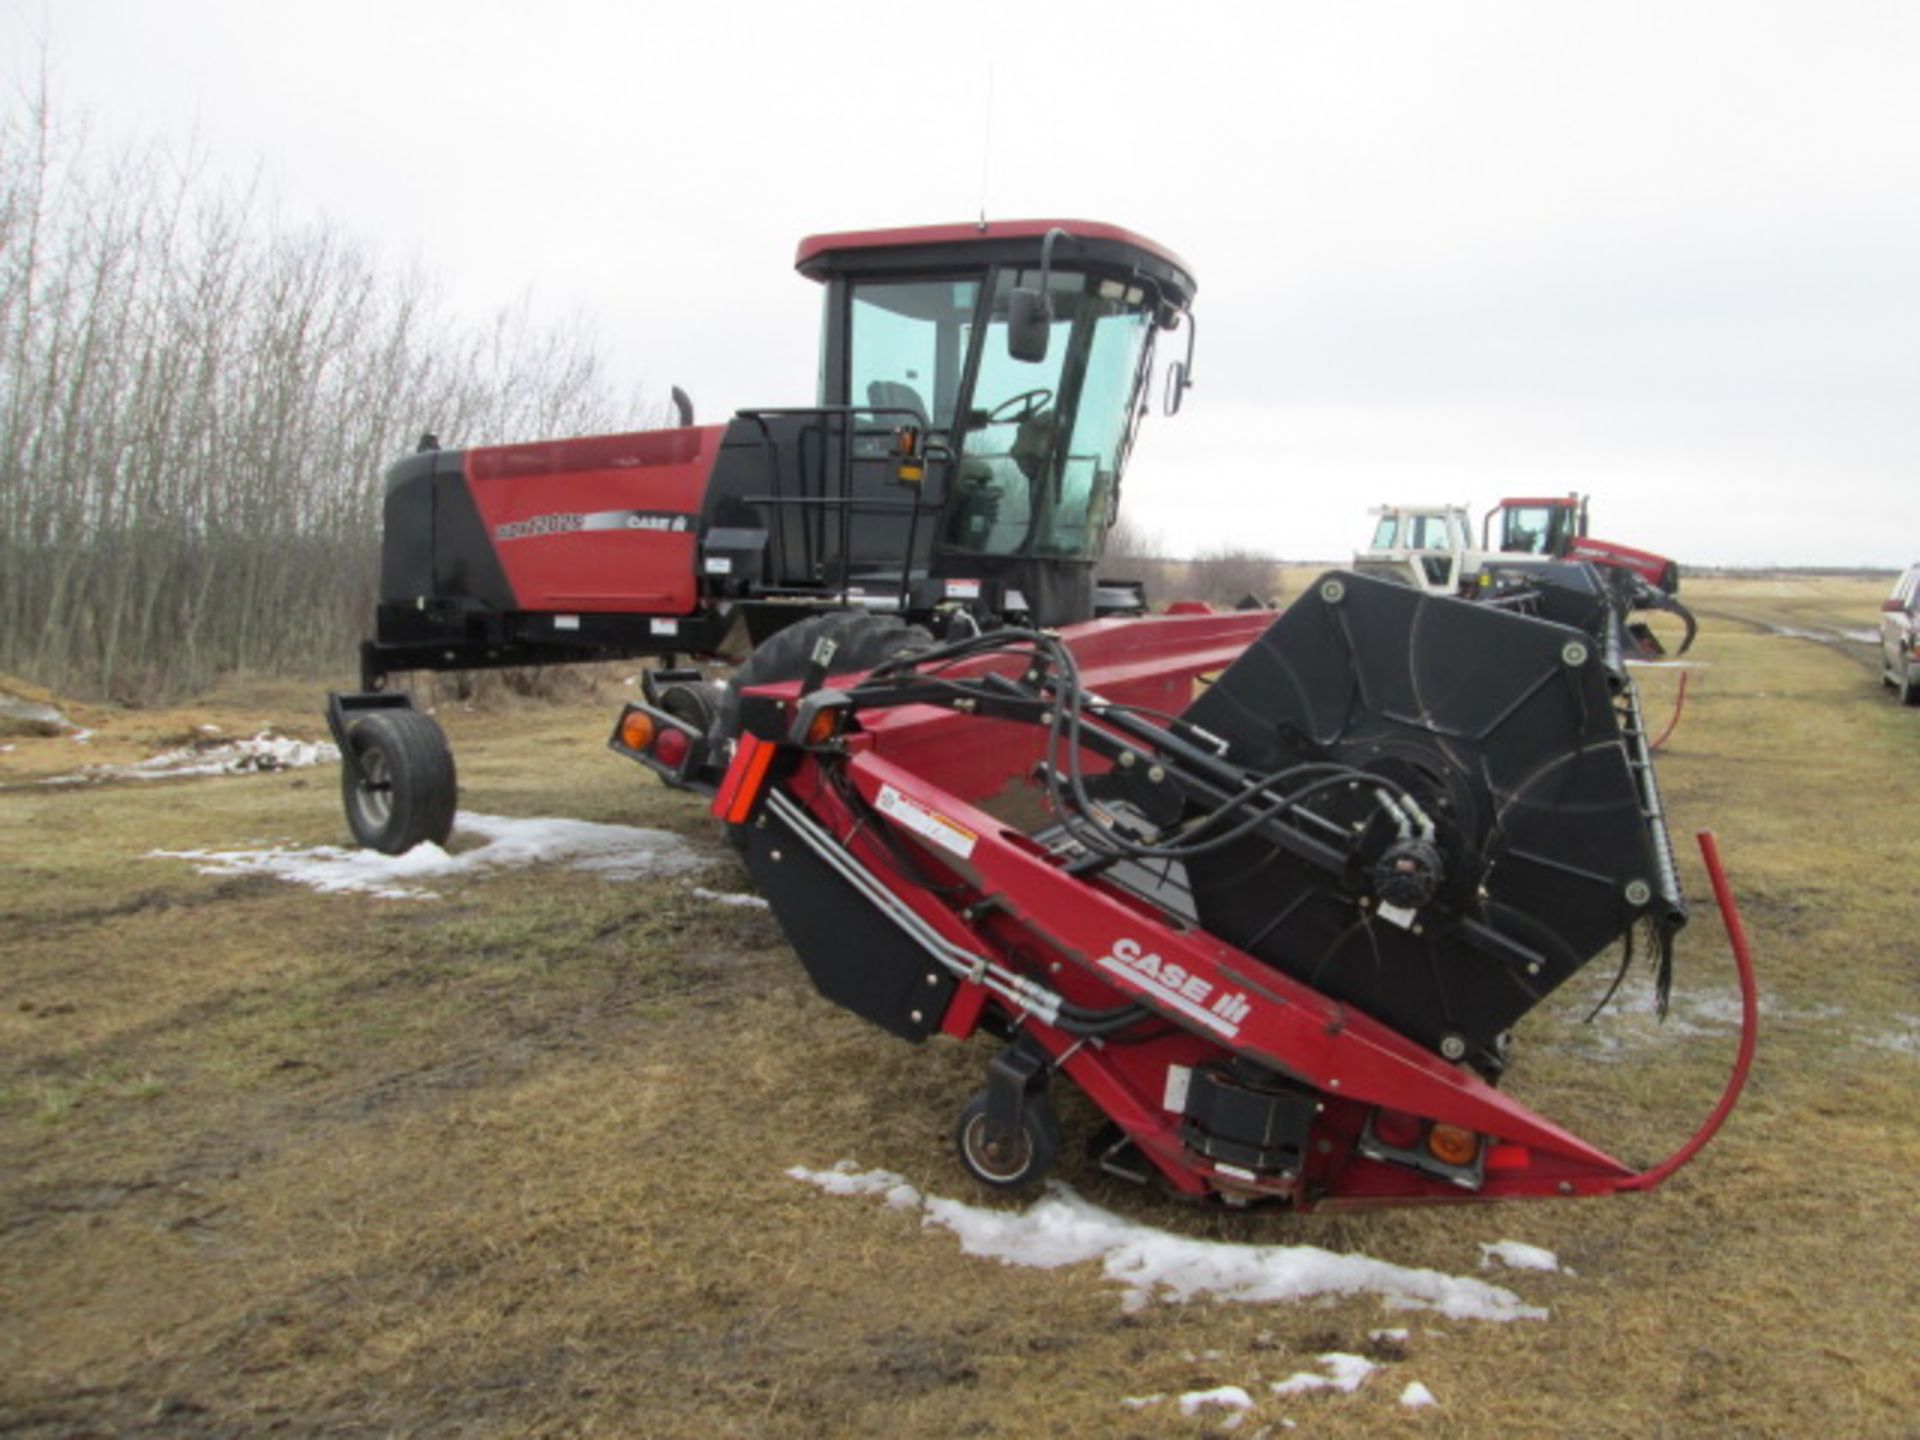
(980, 386)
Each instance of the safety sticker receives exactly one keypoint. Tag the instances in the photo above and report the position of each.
(665, 627)
(963, 589)
(956, 839)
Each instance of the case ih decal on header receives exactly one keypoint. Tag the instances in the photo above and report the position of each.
(1283, 928)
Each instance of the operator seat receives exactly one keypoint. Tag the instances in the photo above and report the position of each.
(896, 395)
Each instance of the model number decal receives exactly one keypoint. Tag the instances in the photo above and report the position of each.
(1191, 994)
(667, 522)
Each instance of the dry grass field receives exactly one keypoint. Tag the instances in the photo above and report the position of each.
(511, 1160)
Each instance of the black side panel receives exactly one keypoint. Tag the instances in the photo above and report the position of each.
(464, 563)
(855, 956)
(406, 535)
(433, 544)
(1504, 727)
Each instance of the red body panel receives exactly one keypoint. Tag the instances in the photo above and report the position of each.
(609, 523)
(1644, 563)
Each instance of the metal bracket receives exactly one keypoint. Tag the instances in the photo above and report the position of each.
(1015, 1073)
(340, 709)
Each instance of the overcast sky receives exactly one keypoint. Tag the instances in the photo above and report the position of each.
(1668, 254)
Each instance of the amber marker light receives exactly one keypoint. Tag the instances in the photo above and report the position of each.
(636, 730)
(824, 725)
(1453, 1145)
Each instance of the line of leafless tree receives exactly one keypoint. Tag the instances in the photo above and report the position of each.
(1223, 575)
(197, 402)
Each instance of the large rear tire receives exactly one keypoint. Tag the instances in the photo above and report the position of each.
(398, 783)
(863, 640)
(1909, 685)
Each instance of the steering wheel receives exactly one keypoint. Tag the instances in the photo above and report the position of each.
(1024, 406)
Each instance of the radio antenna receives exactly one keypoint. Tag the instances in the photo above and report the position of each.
(986, 146)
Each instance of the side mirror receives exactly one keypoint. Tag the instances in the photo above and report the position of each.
(1029, 325)
(1180, 372)
(1177, 383)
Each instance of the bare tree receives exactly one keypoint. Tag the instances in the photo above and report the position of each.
(197, 403)
(1234, 576)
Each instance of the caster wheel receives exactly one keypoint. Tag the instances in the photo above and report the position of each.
(1019, 1162)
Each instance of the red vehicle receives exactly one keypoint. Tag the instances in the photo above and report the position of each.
(1281, 934)
(1557, 526)
(980, 388)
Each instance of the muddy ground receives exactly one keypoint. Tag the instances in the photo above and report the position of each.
(511, 1160)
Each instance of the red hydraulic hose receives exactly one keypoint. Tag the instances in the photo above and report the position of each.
(1749, 1024)
(1679, 704)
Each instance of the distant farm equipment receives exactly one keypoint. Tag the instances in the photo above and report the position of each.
(1431, 547)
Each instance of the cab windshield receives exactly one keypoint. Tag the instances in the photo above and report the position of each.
(1533, 529)
(1041, 445)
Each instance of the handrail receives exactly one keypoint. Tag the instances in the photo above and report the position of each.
(836, 423)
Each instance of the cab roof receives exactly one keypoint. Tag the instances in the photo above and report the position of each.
(923, 247)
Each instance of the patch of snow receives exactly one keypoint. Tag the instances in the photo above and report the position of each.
(617, 851)
(1794, 632)
(82, 737)
(265, 752)
(6, 749)
(1389, 1337)
(1231, 1397)
(1140, 1402)
(726, 897)
(1417, 1396)
(45, 719)
(1517, 1256)
(1063, 1229)
(1623, 1031)
(1904, 1041)
(1344, 1372)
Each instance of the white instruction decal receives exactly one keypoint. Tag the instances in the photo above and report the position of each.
(926, 823)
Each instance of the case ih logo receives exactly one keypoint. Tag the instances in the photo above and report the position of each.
(666, 522)
(1177, 986)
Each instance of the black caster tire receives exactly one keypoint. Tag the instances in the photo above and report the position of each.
(402, 790)
(1020, 1165)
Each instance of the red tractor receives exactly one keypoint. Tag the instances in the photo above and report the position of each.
(1557, 526)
